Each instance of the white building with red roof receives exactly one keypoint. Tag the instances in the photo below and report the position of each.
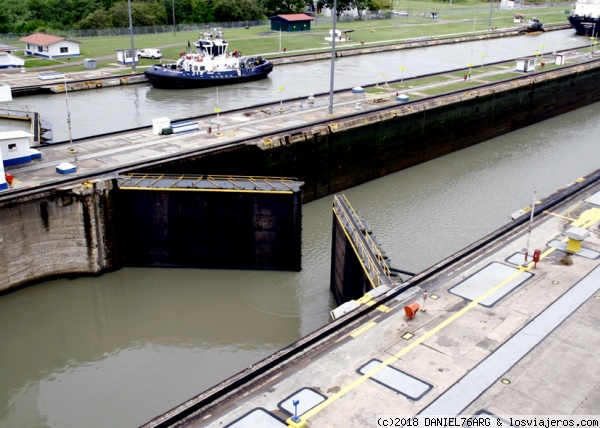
(49, 46)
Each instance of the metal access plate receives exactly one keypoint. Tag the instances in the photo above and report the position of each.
(518, 259)
(495, 275)
(594, 199)
(257, 418)
(307, 399)
(397, 380)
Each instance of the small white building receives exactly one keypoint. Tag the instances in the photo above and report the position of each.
(15, 148)
(124, 56)
(10, 61)
(49, 46)
(526, 65)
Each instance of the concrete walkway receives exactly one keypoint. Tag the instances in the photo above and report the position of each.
(496, 336)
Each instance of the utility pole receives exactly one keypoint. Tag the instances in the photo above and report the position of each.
(173, 4)
(332, 58)
(133, 55)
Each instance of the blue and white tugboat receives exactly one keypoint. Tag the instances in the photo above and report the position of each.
(211, 65)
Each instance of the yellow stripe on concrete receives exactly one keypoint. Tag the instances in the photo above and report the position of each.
(365, 299)
(383, 308)
(364, 328)
(587, 218)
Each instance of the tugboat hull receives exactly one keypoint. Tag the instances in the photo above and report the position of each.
(165, 78)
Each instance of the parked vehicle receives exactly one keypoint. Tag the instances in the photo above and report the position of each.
(150, 53)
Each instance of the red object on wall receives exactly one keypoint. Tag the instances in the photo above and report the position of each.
(411, 310)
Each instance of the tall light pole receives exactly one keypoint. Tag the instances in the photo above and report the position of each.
(173, 5)
(490, 24)
(131, 34)
(332, 58)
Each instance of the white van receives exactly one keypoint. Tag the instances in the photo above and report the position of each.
(150, 53)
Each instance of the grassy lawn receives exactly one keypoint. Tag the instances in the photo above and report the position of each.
(422, 81)
(456, 18)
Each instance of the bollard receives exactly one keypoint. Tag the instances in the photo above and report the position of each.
(295, 418)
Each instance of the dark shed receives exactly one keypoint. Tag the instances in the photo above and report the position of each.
(291, 22)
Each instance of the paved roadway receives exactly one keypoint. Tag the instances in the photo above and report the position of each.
(497, 335)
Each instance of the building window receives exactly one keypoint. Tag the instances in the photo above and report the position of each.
(64, 49)
(12, 147)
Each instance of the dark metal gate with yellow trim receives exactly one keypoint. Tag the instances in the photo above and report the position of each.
(224, 222)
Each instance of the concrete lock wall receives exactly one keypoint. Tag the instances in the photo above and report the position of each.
(63, 233)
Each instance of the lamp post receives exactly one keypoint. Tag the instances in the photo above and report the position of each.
(332, 58)
(70, 149)
(133, 55)
(490, 24)
(173, 6)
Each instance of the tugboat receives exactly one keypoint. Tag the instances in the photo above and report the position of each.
(534, 26)
(211, 65)
(585, 17)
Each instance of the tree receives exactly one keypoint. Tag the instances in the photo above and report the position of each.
(361, 5)
(342, 6)
(237, 10)
(142, 14)
(274, 7)
(202, 11)
(98, 19)
(379, 4)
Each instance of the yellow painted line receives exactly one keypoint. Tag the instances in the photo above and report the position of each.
(364, 328)
(559, 215)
